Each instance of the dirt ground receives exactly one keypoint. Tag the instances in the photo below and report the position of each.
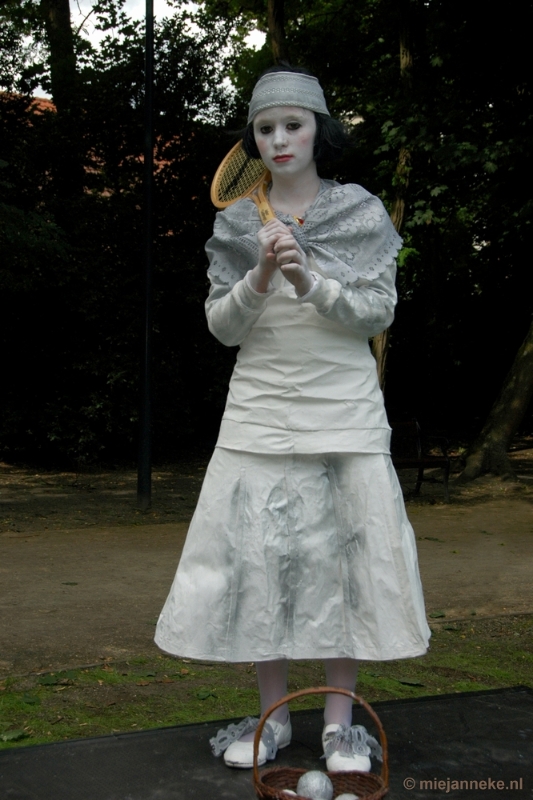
(84, 573)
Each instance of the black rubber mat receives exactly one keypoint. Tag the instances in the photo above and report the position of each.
(482, 741)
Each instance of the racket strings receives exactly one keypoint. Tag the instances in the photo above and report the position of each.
(239, 174)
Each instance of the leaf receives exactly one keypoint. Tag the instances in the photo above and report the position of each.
(438, 190)
(13, 736)
(143, 683)
(436, 614)
(69, 583)
(30, 700)
(48, 680)
(410, 683)
(203, 694)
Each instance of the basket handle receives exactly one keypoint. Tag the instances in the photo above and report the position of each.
(324, 690)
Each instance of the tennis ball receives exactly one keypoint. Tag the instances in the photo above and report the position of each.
(315, 785)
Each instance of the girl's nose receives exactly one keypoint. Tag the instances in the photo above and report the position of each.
(280, 136)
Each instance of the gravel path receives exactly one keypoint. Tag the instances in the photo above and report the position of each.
(83, 575)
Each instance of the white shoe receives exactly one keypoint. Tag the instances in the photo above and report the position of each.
(347, 749)
(239, 754)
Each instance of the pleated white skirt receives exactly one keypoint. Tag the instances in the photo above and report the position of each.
(298, 557)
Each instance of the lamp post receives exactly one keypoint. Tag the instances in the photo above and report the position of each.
(144, 472)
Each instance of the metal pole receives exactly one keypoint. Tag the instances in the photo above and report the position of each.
(144, 474)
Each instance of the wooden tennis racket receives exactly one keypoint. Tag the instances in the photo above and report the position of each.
(240, 176)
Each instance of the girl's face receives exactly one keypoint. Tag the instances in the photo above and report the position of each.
(285, 138)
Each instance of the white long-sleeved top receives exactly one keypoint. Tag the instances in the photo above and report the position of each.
(305, 380)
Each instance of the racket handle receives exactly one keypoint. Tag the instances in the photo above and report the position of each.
(259, 197)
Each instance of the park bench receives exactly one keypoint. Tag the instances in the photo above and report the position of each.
(410, 449)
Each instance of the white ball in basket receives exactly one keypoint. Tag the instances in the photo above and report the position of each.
(347, 796)
(289, 791)
(315, 785)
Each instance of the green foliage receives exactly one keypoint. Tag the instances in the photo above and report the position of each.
(463, 111)
(71, 284)
(73, 248)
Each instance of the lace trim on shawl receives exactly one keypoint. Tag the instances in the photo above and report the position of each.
(354, 741)
(346, 230)
(233, 733)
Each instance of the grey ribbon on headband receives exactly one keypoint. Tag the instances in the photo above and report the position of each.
(287, 89)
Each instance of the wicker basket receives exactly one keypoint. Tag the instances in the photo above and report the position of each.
(270, 783)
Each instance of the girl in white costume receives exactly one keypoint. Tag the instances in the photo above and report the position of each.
(300, 547)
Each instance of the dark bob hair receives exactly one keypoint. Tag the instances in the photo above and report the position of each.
(330, 140)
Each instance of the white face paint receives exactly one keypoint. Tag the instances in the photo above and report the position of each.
(285, 138)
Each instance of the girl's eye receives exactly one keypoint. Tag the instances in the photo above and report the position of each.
(293, 126)
(264, 129)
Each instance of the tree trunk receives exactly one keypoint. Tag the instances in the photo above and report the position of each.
(276, 30)
(489, 451)
(56, 14)
(68, 168)
(402, 181)
(380, 343)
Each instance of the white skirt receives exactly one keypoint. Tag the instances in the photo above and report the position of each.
(299, 557)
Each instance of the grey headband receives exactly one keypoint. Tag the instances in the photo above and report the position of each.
(287, 89)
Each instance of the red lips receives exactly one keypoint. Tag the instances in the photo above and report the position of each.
(281, 159)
